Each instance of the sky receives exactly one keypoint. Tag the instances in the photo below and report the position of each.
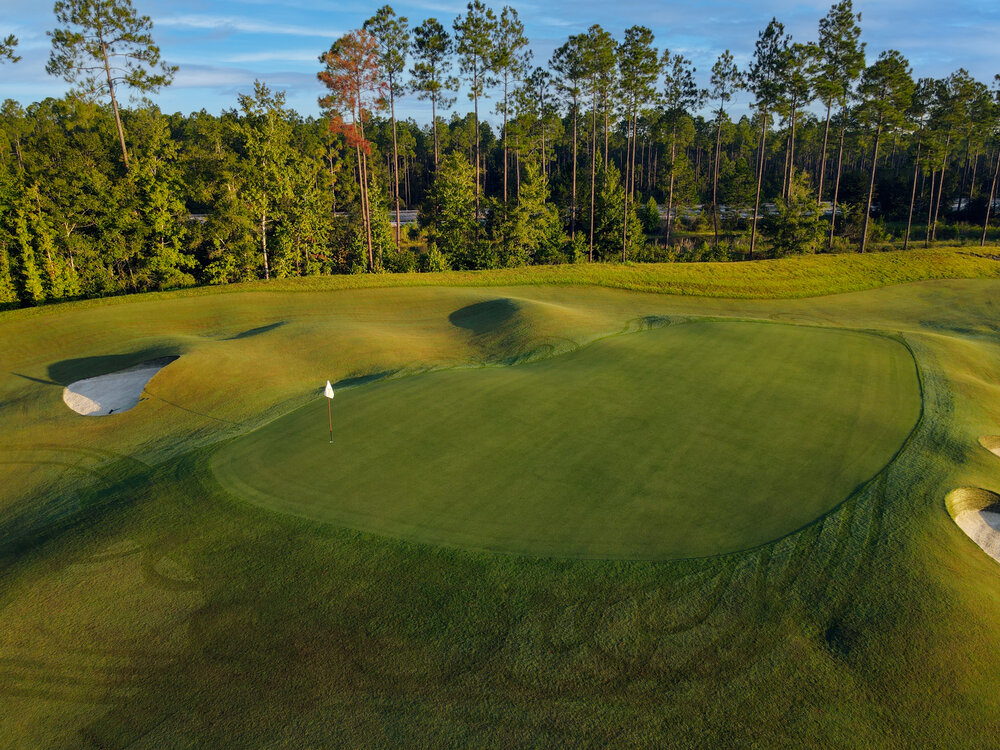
(222, 46)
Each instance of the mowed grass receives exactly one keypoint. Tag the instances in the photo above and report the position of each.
(141, 605)
(696, 439)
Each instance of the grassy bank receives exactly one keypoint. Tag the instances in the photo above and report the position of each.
(143, 603)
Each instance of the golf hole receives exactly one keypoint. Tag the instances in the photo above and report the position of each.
(114, 392)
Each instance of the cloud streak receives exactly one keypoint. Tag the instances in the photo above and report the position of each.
(244, 26)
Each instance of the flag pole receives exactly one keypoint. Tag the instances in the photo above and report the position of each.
(328, 392)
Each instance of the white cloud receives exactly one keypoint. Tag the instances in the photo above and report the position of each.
(292, 55)
(231, 23)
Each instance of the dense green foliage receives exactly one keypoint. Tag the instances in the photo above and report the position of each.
(607, 136)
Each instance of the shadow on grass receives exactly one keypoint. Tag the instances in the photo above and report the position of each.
(81, 496)
(484, 317)
(255, 331)
(68, 371)
(363, 379)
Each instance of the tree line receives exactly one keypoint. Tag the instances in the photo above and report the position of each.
(611, 150)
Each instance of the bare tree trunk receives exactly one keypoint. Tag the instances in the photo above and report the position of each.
(836, 186)
(871, 191)
(628, 168)
(670, 192)
(604, 99)
(395, 158)
(114, 104)
(930, 208)
(475, 83)
(972, 182)
(368, 213)
(791, 155)
(593, 171)
(989, 203)
(434, 125)
(965, 173)
(572, 218)
(715, 179)
(913, 195)
(760, 180)
(505, 138)
(822, 160)
(937, 209)
(263, 243)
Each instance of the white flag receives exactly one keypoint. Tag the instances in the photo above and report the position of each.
(328, 391)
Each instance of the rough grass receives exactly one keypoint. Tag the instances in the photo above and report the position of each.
(142, 605)
(793, 277)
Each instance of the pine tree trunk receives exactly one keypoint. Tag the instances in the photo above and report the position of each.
(593, 170)
(572, 218)
(434, 125)
(505, 137)
(368, 213)
(628, 168)
(263, 243)
(989, 203)
(822, 161)
(972, 182)
(871, 191)
(965, 174)
(475, 83)
(604, 98)
(670, 192)
(791, 156)
(836, 184)
(395, 158)
(930, 209)
(937, 209)
(913, 195)
(715, 180)
(114, 104)
(760, 181)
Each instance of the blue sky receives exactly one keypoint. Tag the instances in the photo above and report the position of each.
(222, 46)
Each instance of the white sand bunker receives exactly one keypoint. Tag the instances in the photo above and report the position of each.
(112, 393)
(977, 513)
(991, 443)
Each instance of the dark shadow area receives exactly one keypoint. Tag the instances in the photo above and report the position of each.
(68, 371)
(79, 496)
(484, 317)
(35, 380)
(255, 331)
(363, 379)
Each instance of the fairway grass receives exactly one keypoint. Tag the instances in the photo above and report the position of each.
(696, 439)
(142, 604)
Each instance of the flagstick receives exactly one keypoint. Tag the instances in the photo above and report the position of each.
(329, 408)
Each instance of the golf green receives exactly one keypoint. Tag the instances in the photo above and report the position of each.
(695, 439)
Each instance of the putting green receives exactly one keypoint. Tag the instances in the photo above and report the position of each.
(695, 439)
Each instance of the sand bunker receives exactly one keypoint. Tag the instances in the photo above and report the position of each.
(991, 443)
(977, 513)
(112, 393)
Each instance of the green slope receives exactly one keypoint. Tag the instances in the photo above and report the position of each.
(143, 605)
(691, 440)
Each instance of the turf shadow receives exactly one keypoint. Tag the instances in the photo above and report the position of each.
(35, 380)
(68, 371)
(484, 317)
(363, 379)
(255, 331)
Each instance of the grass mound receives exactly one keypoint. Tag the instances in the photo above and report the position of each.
(971, 500)
(991, 443)
(651, 445)
(143, 605)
